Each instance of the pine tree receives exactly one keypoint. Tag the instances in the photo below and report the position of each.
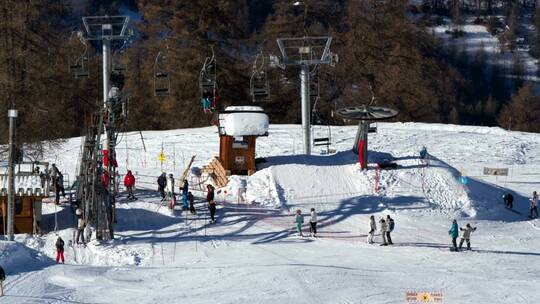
(523, 111)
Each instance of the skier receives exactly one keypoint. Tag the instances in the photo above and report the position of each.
(191, 205)
(384, 230)
(466, 236)
(508, 200)
(59, 187)
(53, 173)
(206, 101)
(391, 226)
(424, 155)
(299, 220)
(80, 227)
(313, 223)
(185, 188)
(454, 232)
(2, 279)
(534, 205)
(211, 202)
(372, 229)
(129, 183)
(59, 250)
(162, 183)
(170, 191)
(242, 189)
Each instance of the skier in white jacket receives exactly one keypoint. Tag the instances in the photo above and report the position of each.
(372, 229)
(466, 236)
(384, 229)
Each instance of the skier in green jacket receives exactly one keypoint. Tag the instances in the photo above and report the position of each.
(454, 233)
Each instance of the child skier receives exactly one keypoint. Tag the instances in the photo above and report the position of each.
(313, 223)
(466, 236)
(534, 205)
(59, 250)
(170, 191)
(391, 225)
(211, 203)
(384, 230)
(191, 205)
(372, 229)
(129, 183)
(162, 183)
(185, 188)
(299, 220)
(454, 232)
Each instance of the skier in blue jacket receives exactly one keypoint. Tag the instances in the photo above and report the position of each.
(454, 233)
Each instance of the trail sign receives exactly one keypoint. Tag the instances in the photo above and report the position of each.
(161, 157)
(496, 171)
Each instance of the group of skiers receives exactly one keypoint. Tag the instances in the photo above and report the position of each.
(299, 221)
(466, 236)
(387, 227)
(167, 191)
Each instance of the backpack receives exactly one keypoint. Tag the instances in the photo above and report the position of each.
(392, 225)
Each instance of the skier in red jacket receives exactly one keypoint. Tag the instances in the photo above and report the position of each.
(129, 182)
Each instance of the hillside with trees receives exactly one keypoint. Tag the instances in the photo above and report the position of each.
(384, 46)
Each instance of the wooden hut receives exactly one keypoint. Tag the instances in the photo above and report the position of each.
(31, 188)
(239, 128)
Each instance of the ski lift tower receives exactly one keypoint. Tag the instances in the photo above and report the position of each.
(97, 172)
(365, 114)
(305, 52)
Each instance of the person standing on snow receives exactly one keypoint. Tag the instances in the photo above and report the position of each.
(80, 227)
(372, 229)
(162, 183)
(170, 190)
(191, 205)
(313, 222)
(424, 155)
(466, 236)
(391, 225)
(129, 183)
(59, 250)
(2, 279)
(59, 187)
(299, 220)
(53, 174)
(534, 205)
(508, 200)
(211, 203)
(454, 232)
(185, 188)
(384, 230)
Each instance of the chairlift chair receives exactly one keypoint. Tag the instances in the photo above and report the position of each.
(321, 139)
(162, 80)
(208, 81)
(79, 67)
(258, 85)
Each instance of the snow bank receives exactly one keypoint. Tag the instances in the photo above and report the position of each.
(25, 182)
(252, 122)
(16, 257)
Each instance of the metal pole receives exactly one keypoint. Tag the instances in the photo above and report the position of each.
(12, 115)
(106, 74)
(306, 122)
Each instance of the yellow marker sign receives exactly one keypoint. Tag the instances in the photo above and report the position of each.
(162, 157)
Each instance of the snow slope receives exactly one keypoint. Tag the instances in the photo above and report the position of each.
(251, 254)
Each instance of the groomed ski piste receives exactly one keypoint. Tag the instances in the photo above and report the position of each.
(252, 253)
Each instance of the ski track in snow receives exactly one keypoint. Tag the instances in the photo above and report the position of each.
(253, 254)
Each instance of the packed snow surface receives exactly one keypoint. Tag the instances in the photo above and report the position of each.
(252, 253)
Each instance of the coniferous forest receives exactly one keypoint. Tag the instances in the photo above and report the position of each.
(383, 46)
